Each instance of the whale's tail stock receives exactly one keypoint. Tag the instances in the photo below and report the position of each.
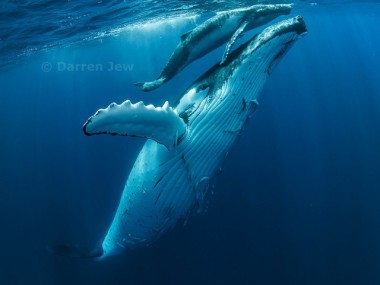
(74, 251)
(149, 86)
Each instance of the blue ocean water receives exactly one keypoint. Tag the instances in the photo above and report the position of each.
(297, 201)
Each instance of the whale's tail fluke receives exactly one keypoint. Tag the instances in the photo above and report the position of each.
(75, 251)
(149, 86)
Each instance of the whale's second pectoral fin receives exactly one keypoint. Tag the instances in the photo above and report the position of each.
(161, 124)
(231, 42)
(152, 85)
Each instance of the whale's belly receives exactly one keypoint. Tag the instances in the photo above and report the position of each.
(163, 186)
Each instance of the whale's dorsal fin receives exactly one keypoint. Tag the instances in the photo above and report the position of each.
(184, 36)
(161, 124)
(233, 39)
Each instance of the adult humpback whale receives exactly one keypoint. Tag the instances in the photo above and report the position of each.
(226, 26)
(187, 143)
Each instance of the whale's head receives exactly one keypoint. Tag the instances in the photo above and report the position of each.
(244, 72)
(262, 52)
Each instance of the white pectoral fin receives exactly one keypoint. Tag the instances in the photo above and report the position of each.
(161, 124)
(232, 41)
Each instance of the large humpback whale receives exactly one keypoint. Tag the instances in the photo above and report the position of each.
(187, 142)
(224, 27)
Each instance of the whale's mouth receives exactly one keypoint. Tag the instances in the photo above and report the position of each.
(264, 50)
(243, 69)
(302, 30)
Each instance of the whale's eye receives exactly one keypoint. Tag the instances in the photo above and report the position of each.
(202, 87)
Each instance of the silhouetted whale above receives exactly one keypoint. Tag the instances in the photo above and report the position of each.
(225, 27)
(186, 143)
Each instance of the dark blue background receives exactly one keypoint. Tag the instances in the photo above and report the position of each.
(298, 199)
